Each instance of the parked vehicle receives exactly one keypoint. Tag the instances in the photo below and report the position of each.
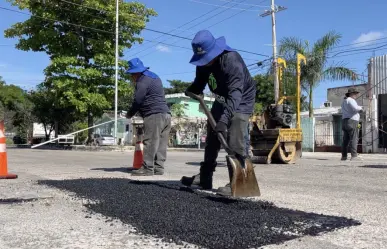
(103, 139)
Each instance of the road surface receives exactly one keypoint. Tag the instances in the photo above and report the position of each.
(68, 199)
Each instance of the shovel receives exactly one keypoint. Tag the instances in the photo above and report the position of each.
(242, 176)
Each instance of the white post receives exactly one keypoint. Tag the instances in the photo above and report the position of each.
(272, 11)
(116, 80)
(276, 83)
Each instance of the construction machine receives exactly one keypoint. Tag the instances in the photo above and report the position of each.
(272, 137)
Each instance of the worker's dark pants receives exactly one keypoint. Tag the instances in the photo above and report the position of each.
(156, 137)
(350, 138)
(237, 130)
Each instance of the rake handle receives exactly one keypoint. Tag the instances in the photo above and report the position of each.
(211, 120)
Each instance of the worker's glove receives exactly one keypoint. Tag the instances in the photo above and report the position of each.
(222, 128)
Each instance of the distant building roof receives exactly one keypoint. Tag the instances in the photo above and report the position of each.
(182, 95)
(326, 111)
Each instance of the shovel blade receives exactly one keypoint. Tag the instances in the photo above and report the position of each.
(243, 181)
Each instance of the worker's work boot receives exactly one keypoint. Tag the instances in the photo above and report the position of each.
(225, 191)
(142, 172)
(203, 179)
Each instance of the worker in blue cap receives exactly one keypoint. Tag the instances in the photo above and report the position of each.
(229, 79)
(149, 101)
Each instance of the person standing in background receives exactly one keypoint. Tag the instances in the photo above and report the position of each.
(149, 101)
(351, 117)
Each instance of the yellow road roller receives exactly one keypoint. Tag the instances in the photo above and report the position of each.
(272, 139)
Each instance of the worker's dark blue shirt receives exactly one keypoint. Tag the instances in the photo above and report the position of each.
(149, 97)
(229, 79)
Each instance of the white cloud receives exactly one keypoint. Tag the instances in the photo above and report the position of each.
(163, 48)
(368, 38)
(3, 65)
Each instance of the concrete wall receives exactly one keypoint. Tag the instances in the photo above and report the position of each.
(337, 94)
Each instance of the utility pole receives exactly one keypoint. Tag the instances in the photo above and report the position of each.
(274, 9)
(116, 80)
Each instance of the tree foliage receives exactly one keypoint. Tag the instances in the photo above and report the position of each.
(265, 91)
(177, 86)
(317, 68)
(178, 112)
(48, 110)
(16, 106)
(80, 42)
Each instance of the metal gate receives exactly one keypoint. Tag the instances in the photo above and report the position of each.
(307, 126)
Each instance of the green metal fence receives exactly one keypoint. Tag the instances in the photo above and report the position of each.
(307, 126)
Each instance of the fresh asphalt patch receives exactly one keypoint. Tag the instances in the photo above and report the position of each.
(162, 210)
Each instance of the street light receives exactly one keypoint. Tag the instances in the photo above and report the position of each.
(116, 80)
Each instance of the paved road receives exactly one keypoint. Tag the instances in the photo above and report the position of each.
(319, 183)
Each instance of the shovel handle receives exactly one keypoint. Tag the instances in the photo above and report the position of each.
(211, 119)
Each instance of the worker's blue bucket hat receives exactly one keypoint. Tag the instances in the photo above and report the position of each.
(136, 66)
(206, 47)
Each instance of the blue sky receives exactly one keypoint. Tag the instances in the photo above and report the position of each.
(357, 21)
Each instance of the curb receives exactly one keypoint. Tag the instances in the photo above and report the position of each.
(96, 149)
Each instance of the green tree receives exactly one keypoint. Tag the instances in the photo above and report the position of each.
(50, 112)
(16, 107)
(265, 91)
(125, 98)
(80, 42)
(178, 111)
(177, 86)
(316, 69)
(10, 95)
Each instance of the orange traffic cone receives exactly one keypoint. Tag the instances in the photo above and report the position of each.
(3, 156)
(138, 151)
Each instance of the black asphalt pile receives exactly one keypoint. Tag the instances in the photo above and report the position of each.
(163, 210)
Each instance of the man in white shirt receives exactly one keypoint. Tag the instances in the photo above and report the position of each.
(350, 110)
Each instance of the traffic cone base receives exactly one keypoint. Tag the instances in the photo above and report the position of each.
(8, 176)
(138, 155)
(3, 156)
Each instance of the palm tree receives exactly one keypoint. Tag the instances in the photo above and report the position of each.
(316, 68)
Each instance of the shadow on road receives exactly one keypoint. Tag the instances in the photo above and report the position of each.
(163, 210)
(220, 164)
(374, 166)
(121, 169)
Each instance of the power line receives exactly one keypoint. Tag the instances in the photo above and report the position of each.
(209, 12)
(195, 1)
(104, 31)
(217, 24)
(362, 49)
(152, 30)
(86, 27)
(248, 4)
(211, 17)
(168, 34)
(50, 19)
(356, 43)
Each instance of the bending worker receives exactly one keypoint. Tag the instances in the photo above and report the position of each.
(229, 79)
(149, 101)
(350, 111)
